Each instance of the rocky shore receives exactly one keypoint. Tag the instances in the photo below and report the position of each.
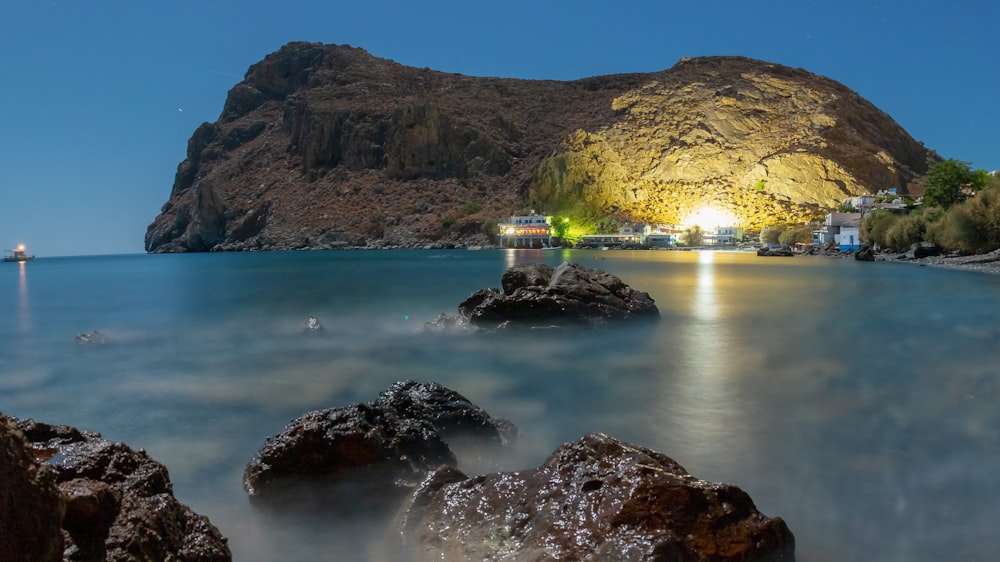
(986, 263)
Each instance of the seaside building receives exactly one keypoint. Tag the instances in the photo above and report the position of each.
(843, 229)
(723, 236)
(629, 235)
(525, 231)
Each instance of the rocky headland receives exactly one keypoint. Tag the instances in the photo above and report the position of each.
(326, 146)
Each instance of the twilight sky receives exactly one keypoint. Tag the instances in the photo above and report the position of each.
(99, 97)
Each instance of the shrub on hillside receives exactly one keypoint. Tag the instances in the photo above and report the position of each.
(875, 226)
(911, 229)
(972, 227)
(772, 233)
(793, 235)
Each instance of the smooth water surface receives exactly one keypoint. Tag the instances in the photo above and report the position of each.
(855, 400)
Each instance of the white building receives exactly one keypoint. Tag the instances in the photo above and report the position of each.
(843, 229)
(525, 231)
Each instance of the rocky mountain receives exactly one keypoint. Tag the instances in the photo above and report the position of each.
(325, 146)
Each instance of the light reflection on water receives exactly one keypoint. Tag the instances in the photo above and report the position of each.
(854, 400)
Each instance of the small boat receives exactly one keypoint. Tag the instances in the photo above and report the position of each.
(18, 255)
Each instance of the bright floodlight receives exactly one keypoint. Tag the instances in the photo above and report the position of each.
(710, 217)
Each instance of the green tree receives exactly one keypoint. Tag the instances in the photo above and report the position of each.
(560, 226)
(951, 182)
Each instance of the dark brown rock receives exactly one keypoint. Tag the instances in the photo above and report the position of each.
(866, 253)
(921, 251)
(595, 499)
(327, 138)
(537, 295)
(119, 501)
(368, 455)
(31, 507)
(781, 251)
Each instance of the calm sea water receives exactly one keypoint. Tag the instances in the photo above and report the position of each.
(857, 401)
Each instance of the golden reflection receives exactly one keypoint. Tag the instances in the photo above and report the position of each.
(23, 308)
(509, 258)
(705, 306)
(705, 384)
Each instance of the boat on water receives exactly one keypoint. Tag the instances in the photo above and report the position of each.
(17, 254)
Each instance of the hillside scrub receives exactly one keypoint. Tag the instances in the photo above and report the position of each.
(875, 226)
(971, 226)
(793, 235)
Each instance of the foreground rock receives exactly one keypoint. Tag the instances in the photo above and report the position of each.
(119, 503)
(31, 507)
(369, 455)
(540, 296)
(594, 499)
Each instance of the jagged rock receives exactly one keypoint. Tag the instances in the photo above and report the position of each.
(866, 253)
(119, 501)
(596, 498)
(780, 251)
(538, 295)
(31, 507)
(312, 325)
(450, 324)
(93, 338)
(369, 455)
(395, 156)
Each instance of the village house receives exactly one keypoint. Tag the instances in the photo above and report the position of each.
(842, 229)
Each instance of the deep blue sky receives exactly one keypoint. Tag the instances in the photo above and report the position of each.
(99, 97)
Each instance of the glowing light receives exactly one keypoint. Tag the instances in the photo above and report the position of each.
(20, 247)
(709, 217)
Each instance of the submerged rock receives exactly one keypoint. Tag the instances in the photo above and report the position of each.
(31, 506)
(93, 338)
(369, 455)
(312, 325)
(119, 502)
(593, 499)
(538, 295)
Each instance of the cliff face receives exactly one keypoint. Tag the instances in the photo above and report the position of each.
(326, 146)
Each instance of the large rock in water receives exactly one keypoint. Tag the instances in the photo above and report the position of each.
(596, 499)
(536, 295)
(366, 457)
(119, 501)
(31, 507)
(326, 146)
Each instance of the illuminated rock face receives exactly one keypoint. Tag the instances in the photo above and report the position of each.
(326, 146)
(761, 142)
